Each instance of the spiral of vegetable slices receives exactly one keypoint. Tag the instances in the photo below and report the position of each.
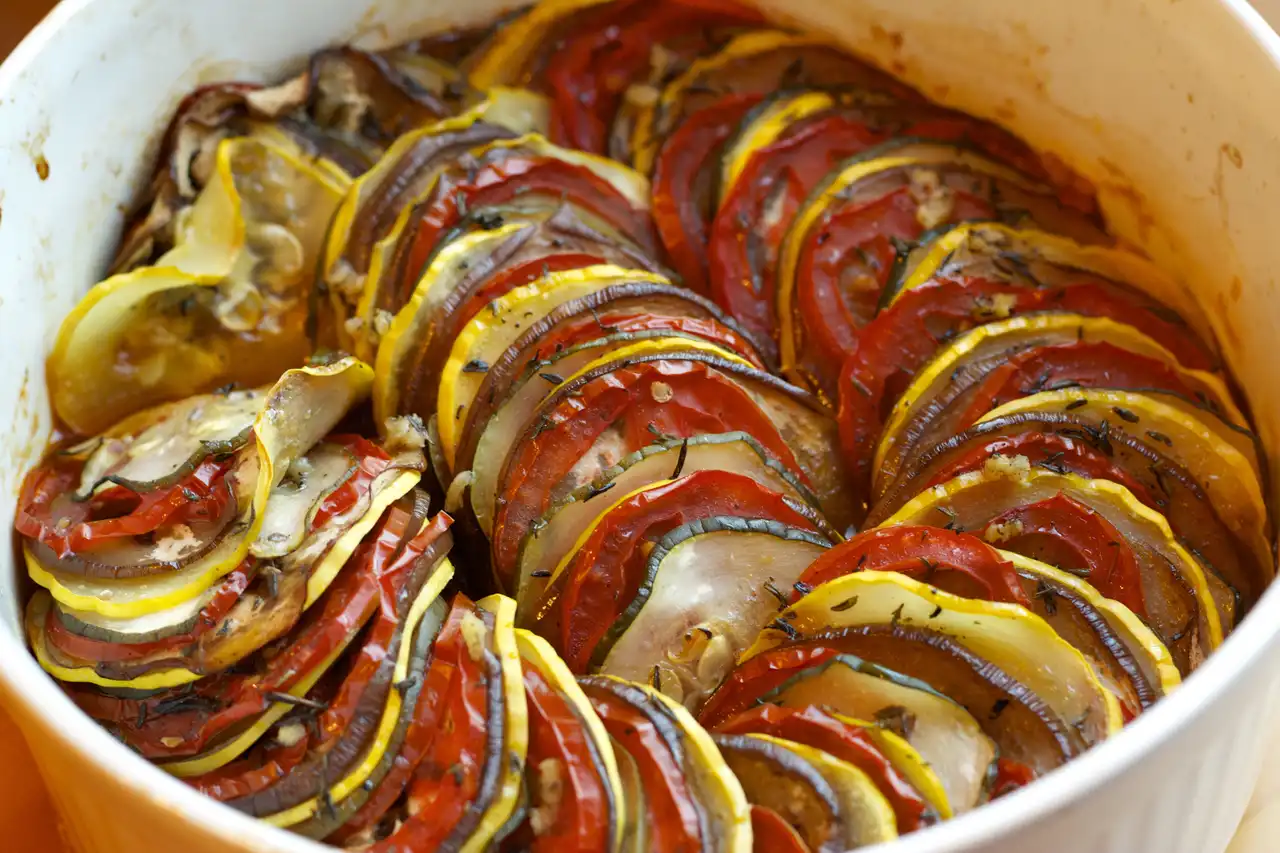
(819, 466)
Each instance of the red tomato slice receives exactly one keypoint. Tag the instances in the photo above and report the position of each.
(262, 768)
(449, 779)
(748, 229)
(602, 56)
(770, 833)
(951, 561)
(505, 178)
(749, 681)
(1052, 451)
(777, 179)
(814, 727)
(418, 739)
(901, 339)
(1010, 776)
(684, 187)
(1063, 532)
(1089, 365)
(844, 267)
(671, 814)
(667, 397)
(582, 814)
(608, 570)
(196, 717)
(48, 513)
(372, 461)
(87, 649)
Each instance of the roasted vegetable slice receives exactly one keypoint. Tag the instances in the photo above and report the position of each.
(606, 577)
(553, 537)
(358, 727)
(692, 799)
(205, 727)
(509, 423)
(1132, 662)
(596, 63)
(488, 335)
(483, 734)
(575, 791)
(568, 338)
(704, 594)
(1187, 608)
(923, 320)
(898, 772)
(466, 275)
(991, 251)
(228, 303)
(832, 804)
(827, 675)
(1064, 434)
(1020, 644)
(373, 213)
(612, 411)
(952, 390)
(685, 186)
(325, 393)
(756, 62)
(781, 152)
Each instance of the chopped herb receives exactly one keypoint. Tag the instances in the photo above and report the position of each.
(684, 452)
(937, 611)
(1182, 632)
(1159, 475)
(802, 587)
(998, 708)
(290, 699)
(142, 715)
(540, 573)
(1160, 437)
(553, 378)
(896, 616)
(896, 719)
(844, 605)
(929, 568)
(1125, 414)
(475, 366)
(403, 687)
(951, 518)
(862, 561)
(785, 627)
(596, 491)
(655, 678)
(1045, 594)
(773, 590)
(457, 416)
(458, 776)
(189, 494)
(1075, 404)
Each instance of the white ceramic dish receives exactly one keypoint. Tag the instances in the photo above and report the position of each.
(1169, 107)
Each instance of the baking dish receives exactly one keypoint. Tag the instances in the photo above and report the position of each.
(1164, 108)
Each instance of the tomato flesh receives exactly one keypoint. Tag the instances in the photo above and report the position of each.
(671, 814)
(1063, 532)
(814, 727)
(946, 559)
(608, 570)
(673, 398)
(904, 337)
(220, 702)
(684, 187)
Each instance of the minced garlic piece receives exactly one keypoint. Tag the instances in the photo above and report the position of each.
(474, 633)
(181, 540)
(290, 734)
(661, 392)
(548, 792)
(1003, 531)
(935, 201)
(1013, 467)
